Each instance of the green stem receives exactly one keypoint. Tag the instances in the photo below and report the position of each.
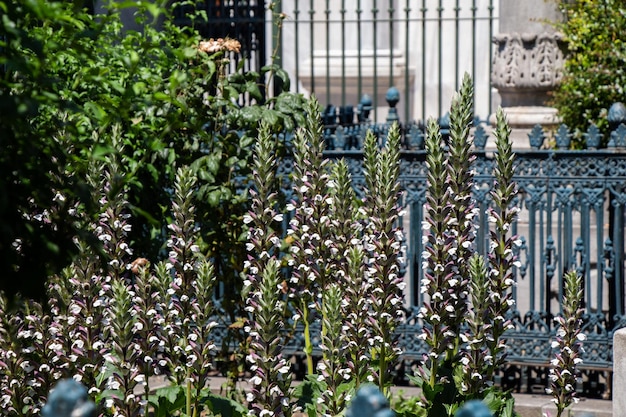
(188, 399)
(434, 362)
(308, 346)
(381, 372)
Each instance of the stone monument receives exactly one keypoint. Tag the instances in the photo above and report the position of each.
(527, 64)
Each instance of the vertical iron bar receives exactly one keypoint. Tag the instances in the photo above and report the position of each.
(474, 8)
(407, 105)
(391, 11)
(456, 46)
(547, 232)
(532, 244)
(567, 252)
(343, 52)
(543, 262)
(490, 99)
(327, 12)
(618, 250)
(417, 215)
(311, 44)
(359, 89)
(423, 92)
(600, 252)
(440, 60)
(296, 14)
(375, 97)
(514, 232)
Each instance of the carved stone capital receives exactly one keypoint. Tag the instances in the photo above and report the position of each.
(527, 66)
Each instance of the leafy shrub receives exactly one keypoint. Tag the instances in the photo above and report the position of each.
(594, 75)
(69, 79)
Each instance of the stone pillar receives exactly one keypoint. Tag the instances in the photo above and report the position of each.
(619, 373)
(527, 64)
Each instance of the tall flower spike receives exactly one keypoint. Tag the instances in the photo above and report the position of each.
(501, 258)
(200, 340)
(181, 244)
(190, 303)
(310, 228)
(462, 210)
(146, 328)
(332, 368)
(14, 388)
(124, 350)
(475, 359)
(383, 243)
(265, 290)
(568, 345)
(271, 384)
(436, 264)
(350, 266)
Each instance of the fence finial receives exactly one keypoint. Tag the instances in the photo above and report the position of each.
(474, 408)
(392, 97)
(69, 398)
(369, 402)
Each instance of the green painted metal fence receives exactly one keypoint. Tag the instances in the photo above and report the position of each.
(573, 208)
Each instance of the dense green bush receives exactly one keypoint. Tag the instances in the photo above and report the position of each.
(594, 74)
(69, 80)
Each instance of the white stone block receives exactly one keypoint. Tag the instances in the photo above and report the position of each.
(619, 373)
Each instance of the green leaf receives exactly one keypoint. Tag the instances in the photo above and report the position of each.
(284, 77)
(223, 406)
(139, 87)
(252, 88)
(430, 393)
(214, 197)
(246, 141)
(307, 393)
(213, 162)
(99, 152)
(251, 115)
(271, 118)
(95, 110)
(231, 161)
(167, 400)
(154, 9)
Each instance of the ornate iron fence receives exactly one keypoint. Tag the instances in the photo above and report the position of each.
(573, 207)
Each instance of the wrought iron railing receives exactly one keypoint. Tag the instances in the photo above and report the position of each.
(340, 49)
(572, 216)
